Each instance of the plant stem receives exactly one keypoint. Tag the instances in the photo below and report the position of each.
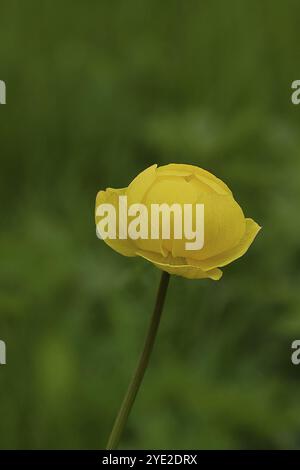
(138, 375)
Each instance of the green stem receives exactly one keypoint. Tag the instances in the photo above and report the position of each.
(137, 378)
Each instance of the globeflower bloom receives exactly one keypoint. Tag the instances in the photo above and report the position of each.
(223, 235)
(227, 232)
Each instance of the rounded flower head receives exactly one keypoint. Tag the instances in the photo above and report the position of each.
(227, 233)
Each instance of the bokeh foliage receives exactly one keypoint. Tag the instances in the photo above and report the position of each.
(96, 92)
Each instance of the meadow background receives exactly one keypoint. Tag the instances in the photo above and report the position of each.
(96, 92)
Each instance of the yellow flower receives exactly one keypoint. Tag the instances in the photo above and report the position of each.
(227, 233)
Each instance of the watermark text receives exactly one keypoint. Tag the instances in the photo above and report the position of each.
(136, 221)
(2, 352)
(2, 92)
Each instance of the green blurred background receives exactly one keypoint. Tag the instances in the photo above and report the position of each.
(96, 92)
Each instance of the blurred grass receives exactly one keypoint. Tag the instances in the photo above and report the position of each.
(96, 92)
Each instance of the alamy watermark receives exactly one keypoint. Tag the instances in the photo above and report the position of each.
(296, 94)
(295, 356)
(2, 352)
(2, 92)
(186, 221)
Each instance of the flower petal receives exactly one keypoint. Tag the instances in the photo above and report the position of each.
(202, 175)
(179, 267)
(224, 227)
(252, 229)
(141, 183)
